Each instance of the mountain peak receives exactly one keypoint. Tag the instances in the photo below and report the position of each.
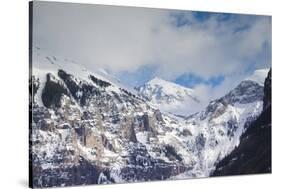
(157, 80)
(169, 96)
(168, 85)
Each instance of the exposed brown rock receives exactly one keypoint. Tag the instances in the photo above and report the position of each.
(128, 130)
(93, 140)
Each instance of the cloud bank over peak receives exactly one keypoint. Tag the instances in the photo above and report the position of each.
(173, 43)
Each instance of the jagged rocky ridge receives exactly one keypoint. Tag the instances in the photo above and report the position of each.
(253, 155)
(87, 129)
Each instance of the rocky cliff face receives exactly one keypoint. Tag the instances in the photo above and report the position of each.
(267, 91)
(253, 155)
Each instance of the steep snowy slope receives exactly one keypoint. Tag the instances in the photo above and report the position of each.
(44, 63)
(87, 128)
(253, 154)
(218, 128)
(170, 97)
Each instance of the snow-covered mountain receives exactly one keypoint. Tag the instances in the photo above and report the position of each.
(243, 159)
(170, 97)
(219, 127)
(87, 128)
(84, 121)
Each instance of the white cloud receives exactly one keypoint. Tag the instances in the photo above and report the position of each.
(207, 93)
(123, 39)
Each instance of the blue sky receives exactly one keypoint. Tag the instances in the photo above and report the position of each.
(206, 50)
(148, 72)
(142, 75)
(190, 80)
